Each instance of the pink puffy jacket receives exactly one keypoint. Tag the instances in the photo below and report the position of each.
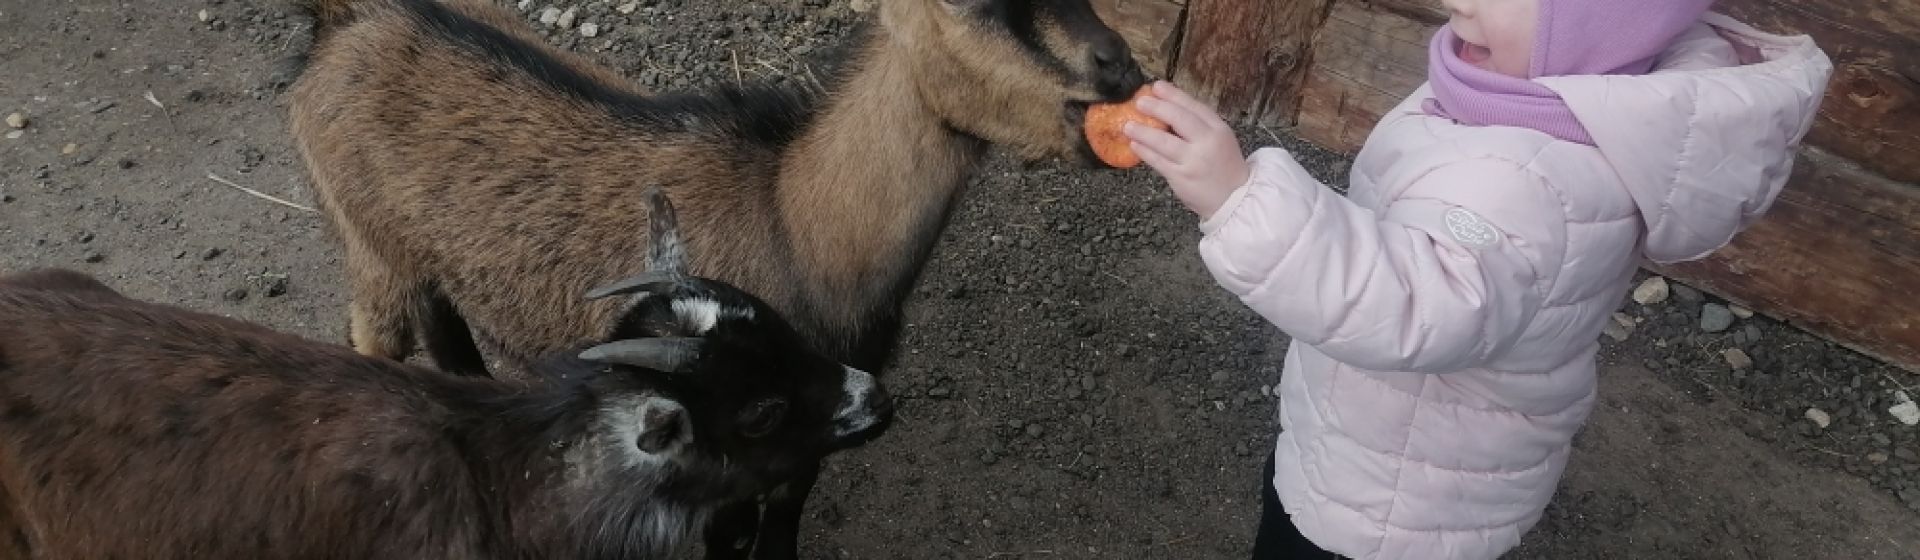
(1445, 314)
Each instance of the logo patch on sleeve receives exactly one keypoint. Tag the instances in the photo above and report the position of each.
(1468, 228)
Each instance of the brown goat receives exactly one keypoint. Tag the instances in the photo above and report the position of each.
(478, 176)
(136, 430)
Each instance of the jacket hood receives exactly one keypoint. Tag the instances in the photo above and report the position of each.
(1704, 144)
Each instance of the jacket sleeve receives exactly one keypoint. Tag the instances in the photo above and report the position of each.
(1445, 278)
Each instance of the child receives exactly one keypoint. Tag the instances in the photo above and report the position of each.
(1445, 314)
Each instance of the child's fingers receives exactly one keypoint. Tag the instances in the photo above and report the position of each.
(1158, 161)
(1184, 122)
(1170, 93)
(1152, 137)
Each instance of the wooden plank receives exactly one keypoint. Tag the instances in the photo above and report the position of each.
(1151, 28)
(1872, 110)
(1838, 254)
(1249, 58)
(1427, 12)
(1364, 62)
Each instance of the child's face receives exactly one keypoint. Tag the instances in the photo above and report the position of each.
(1496, 35)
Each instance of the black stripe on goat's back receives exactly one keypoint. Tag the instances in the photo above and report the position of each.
(762, 114)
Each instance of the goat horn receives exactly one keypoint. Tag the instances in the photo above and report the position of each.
(666, 252)
(645, 282)
(665, 354)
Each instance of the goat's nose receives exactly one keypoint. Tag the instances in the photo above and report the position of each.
(1116, 74)
(1110, 53)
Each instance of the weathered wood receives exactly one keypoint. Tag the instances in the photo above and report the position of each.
(1428, 12)
(1872, 110)
(1838, 254)
(1151, 28)
(1248, 57)
(1364, 62)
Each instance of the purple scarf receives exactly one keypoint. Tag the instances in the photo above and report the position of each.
(1575, 37)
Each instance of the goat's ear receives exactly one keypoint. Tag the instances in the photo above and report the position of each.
(665, 252)
(668, 355)
(663, 425)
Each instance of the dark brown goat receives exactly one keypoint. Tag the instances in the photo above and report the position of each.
(136, 430)
(478, 176)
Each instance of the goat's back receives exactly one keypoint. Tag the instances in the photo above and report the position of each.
(136, 430)
(538, 161)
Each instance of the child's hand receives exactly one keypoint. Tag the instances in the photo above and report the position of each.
(1201, 159)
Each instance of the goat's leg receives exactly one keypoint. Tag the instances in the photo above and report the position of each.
(780, 524)
(448, 339)
(382, 303)
(732, 531)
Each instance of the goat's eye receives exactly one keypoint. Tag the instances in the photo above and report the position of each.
(760, 418)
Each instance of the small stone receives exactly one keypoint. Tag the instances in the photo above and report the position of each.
(1686, 294)
(1737, 358)
(523, 5)
(1652, 291)
(276, 286)
(589, 30)
(1906, 454)
(1715, 318)
(549, 16)
(1034, 430)
(861, 6)
(1740, 312)
(127, 164)
(205, 16)
(566, 18)
(211, 253)
(15, 134)
(69, 149)
(939, 392)
(1617, 332)
(1904, 409)
(16, 120)
(1876, 457)
(235, 295)
(94, 257)
(1220, 377)
(1819, 417)
(628, 8)
(181, 254)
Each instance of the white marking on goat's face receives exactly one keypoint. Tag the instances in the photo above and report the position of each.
(698, 315)
(855, 414)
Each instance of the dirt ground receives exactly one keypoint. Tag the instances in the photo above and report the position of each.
(1072, 384)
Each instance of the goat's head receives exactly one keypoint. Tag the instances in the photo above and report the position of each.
(731, 387)
(1019, 73)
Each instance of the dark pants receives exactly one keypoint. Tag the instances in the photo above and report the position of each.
(1278, 539)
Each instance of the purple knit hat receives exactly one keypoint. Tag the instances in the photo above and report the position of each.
(1574, 37)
